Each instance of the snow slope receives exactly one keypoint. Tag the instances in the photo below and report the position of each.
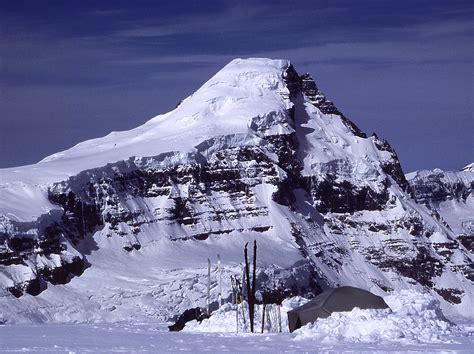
(122, 226)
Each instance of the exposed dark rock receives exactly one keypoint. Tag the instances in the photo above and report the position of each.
(196, 313)
(63, 273)
(293, 81)
(392, 167)
(434, 187)
(48, 237)
(319, 100)
(343, 197)
(422, 269)
(33, 287)
(8, 258)
(451, 295)
(467, 241)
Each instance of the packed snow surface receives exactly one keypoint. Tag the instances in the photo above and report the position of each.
(416, 324)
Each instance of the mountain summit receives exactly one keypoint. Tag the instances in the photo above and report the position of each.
(123, 225)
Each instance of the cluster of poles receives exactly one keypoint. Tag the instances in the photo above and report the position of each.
(271, 313)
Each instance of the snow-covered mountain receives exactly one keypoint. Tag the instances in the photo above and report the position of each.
(450, 197)
(123, 225)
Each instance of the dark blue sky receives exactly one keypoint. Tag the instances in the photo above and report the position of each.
(74, 70)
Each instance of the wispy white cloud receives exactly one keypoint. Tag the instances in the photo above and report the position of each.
(435, 28)
(393, 51)
(235, 18)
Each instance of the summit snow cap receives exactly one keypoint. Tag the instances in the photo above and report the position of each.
(224, 105)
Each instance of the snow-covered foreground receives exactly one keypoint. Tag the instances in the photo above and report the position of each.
(415, 323)
(118, 337)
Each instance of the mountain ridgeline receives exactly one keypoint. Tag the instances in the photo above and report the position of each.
(283, 166)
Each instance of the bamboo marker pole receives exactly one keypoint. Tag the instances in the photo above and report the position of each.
(237, 316)
(241, 291)
(251, 288)
(235, 296)
(279, 318)
(208, 286)
(219, 270)
(249, 293)
(270, 319)
(254, 279)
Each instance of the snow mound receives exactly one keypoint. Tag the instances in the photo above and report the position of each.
(415, 318)
(224, 320)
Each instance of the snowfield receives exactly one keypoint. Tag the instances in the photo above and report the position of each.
(415, 323)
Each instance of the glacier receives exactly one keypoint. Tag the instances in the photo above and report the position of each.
(121, 227)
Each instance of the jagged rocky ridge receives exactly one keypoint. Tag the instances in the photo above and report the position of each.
(304, 175)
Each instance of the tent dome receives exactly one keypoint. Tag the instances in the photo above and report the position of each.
(340, 299)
